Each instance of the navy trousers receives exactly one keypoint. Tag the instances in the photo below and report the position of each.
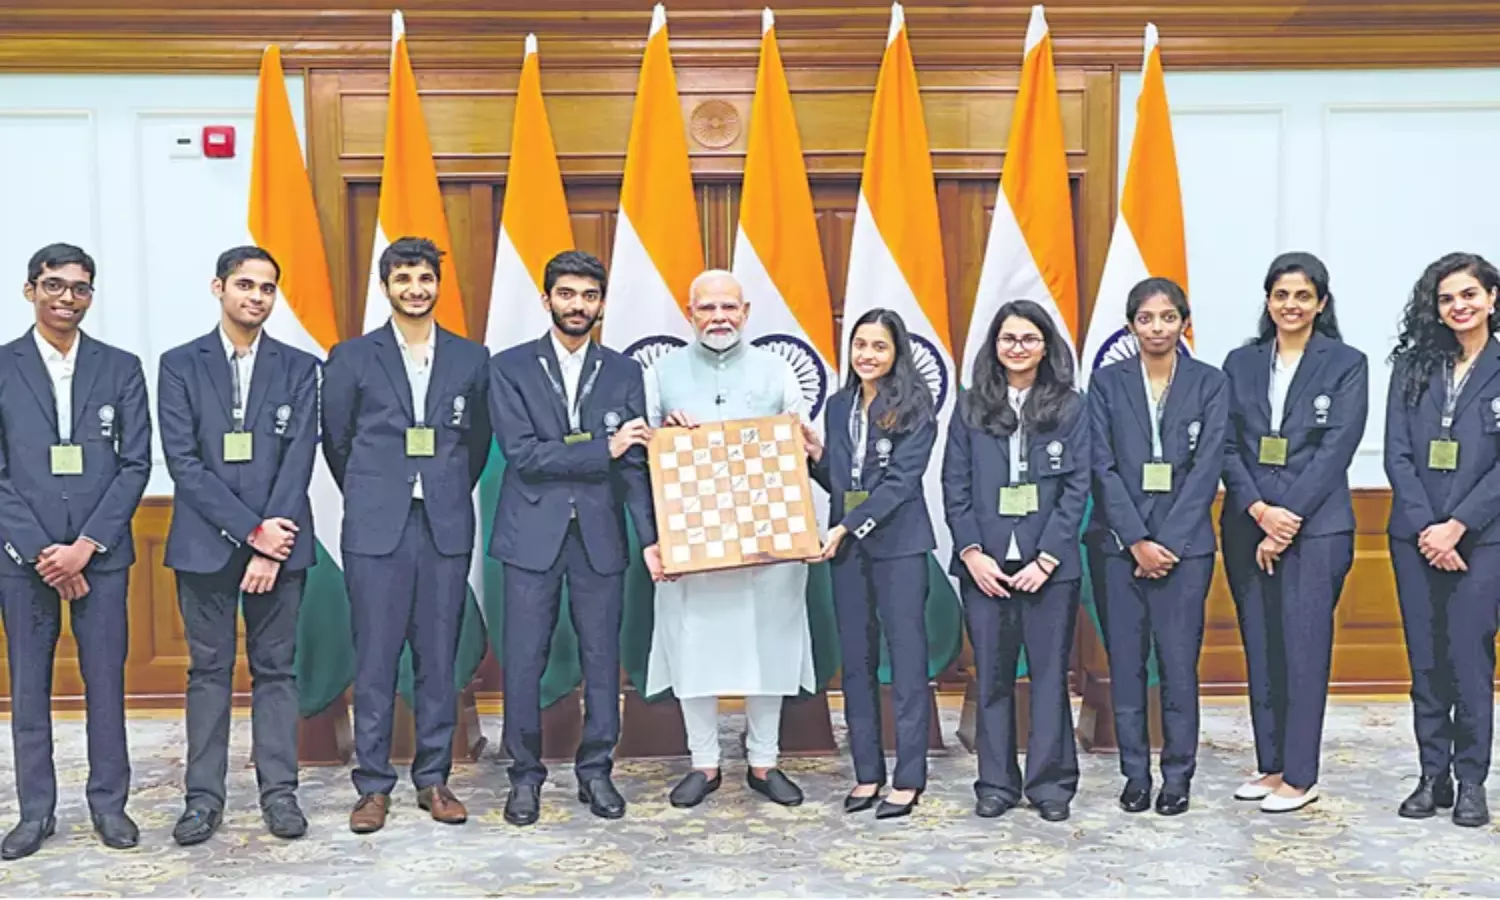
(532, 601)
(998, 627)
(1168, 611)
(1286, 624)
(890, 595)
(414, 596)
(1450, 620)
(33, 621)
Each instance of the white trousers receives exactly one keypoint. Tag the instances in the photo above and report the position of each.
(700, 716)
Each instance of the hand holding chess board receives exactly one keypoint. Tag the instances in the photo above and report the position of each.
(732, 494)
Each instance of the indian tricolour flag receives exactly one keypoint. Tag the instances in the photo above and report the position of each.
(1030, 254)
(534, 227)
(1149, 238)
(283, 219)
(896, 261)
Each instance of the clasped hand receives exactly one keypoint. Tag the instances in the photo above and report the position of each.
(635, 433)
(992, 580)
(1439, 545)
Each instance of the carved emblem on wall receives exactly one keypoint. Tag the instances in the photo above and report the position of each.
(715, 124)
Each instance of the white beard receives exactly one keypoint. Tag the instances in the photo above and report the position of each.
(720, 342)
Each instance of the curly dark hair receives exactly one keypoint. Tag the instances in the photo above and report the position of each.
(986, 406)
(1425, 342)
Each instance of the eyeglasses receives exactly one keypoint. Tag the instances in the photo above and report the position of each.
(1025, 342)
(56, 287)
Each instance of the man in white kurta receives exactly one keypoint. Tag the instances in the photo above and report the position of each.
(740, 633)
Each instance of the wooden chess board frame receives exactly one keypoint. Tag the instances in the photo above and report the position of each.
(752, 514)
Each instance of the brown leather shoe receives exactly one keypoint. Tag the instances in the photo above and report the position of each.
(369, 813)
(444, 807)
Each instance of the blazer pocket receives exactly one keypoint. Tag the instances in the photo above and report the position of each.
(1490, 410)
(99, 422)
(1323, 413)
(1052, 459)
(276, 418)
(457, 411)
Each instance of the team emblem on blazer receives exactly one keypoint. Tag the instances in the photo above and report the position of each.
(611, 421)
(106, 420)
(1321, 404)
(1195, 428)
(458, 409)
(283, 418)
(883, 447)
(1054, 454)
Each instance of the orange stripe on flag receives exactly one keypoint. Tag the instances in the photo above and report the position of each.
(411, 204)
(898, 183)
(283, 216)
(1034, 178)
(536, 209)
(657, 193)
(776, 210)
(1152, 199)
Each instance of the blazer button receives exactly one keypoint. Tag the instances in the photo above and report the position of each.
(411, 479)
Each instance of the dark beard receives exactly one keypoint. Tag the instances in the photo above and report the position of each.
(572, 330)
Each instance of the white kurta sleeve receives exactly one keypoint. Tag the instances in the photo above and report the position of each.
(654, 414)
(792, 398)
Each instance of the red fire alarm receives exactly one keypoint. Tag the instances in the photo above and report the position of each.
(218, 141)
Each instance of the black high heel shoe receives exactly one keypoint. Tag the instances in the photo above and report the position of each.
(889, 810)
(854, 804)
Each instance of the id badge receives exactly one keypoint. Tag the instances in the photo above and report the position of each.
(1018, 500)
(1442, 456)
(1156, 478)
(853, 499)
(578, 437)
(67, 459)
(239, 446)
(421, 441)
(1273, 451)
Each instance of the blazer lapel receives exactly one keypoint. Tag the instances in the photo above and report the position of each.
(388, 352)
(593, 361)
(550, 371)
(1437, 389)
(1260, 385)
(84, 374)
(442, 366)
(1307, 372)
(1184, 386)
(216, 363)
(1135, 395)
(1485, 368)
(34, 373)
(267, 371)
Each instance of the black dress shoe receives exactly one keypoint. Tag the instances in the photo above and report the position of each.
(284, 818)
(116, 830)
(1171, 803)
(889, 810)
(603, 800)
(692, 790)
(993, 806)
(775, 787)
(1135, 799)
(27, 837)
(854, 804)
(1424, 802)
(524, 805)
(1053, 810)
(1471, 810)
(196, 825)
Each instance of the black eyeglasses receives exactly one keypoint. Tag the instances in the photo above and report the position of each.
(56, 287)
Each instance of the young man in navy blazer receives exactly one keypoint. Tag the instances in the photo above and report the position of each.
(406, 432)
(570, 418)
(239, 427)
(75, 455)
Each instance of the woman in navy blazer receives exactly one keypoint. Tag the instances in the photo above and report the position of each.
(881, 429)
(1442, 456)
(1298, 398)
(1015, 482)
(1157, 461)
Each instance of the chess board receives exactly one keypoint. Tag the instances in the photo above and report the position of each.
(732, 494)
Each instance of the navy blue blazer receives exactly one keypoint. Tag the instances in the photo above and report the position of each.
(1321, 443)
(1193, 426)
(111, 421)
(546, 479)
(893, 521)
(218, 504)
(367, 407)
(1471, 494)
(976, 465)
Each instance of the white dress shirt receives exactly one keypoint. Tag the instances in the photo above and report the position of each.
(418, 375)
(1017, 452)
(60, 368)
(571, 364)
(246, 369)
(1281, 382)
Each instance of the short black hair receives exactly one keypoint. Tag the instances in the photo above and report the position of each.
(578, 264)
(411, 251)
(55, 256)
(1157, 287)
(230, 260)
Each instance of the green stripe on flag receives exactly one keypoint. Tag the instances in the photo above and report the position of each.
(324, 660)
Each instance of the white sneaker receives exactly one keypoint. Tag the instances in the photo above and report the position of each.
(1253, 790)
(1276, 803)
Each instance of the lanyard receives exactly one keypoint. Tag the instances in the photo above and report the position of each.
(858, 429)
(583, 393)
(1450, 400)
(1018, 462)
(1157, 407)
(237, 408)
(1278, 413)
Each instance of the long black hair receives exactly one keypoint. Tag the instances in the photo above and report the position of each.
(901, 393)
(986, 406)
(1326, 322)
(1425, 341)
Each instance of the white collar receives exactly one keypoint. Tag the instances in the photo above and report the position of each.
(1017, 395)
(229, 349)
(401, 339)
(50, 353)
(564, 356)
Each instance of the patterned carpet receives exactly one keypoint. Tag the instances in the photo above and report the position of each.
(1349, 844)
